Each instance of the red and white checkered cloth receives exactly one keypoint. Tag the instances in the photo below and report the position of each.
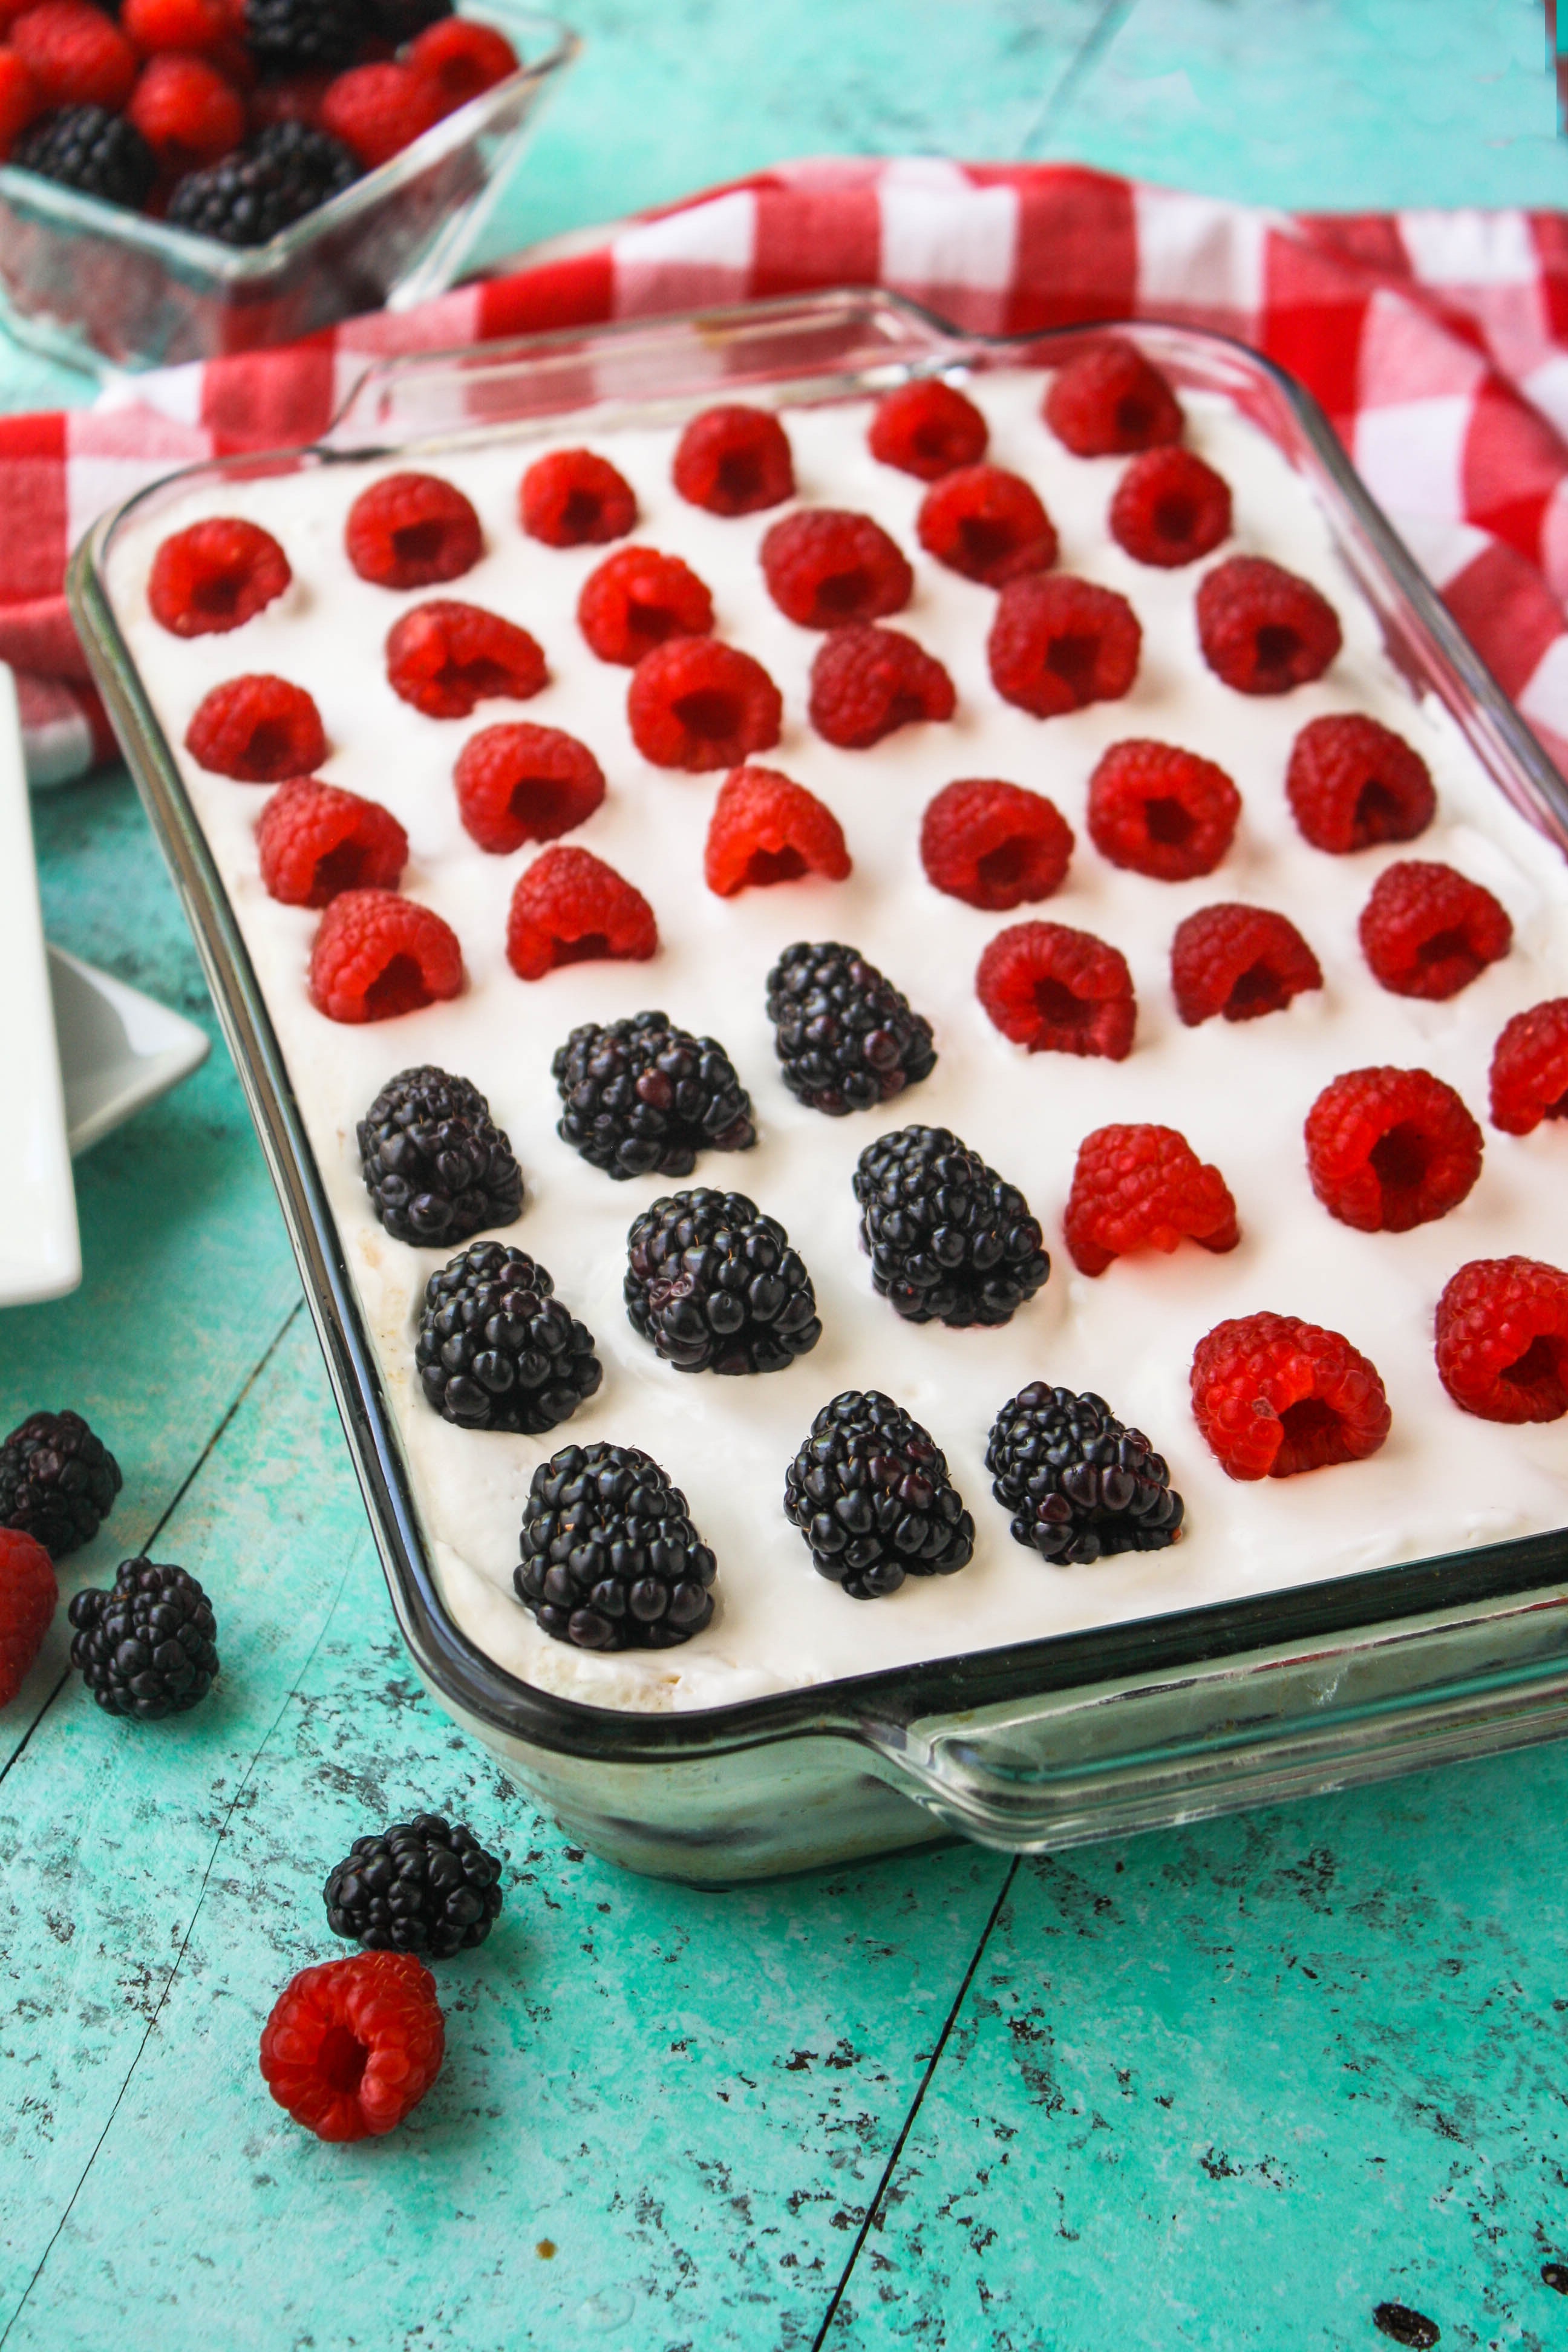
(1438, 341)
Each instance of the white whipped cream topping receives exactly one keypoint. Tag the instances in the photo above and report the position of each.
(1238, 1092)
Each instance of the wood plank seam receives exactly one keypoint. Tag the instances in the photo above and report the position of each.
(1079, 66)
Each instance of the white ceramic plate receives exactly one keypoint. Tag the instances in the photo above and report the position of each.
(119, 1049)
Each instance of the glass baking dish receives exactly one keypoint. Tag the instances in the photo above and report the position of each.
(94, 283)
(1047, 1743)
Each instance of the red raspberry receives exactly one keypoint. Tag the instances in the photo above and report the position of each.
(444, 657)
(1240, 962)
(412, 530)
(20, 98)
(926, 429)
(638, 599)
(215, 577)
(827, 569)
(29, 1595)
(461, 58)
(316, 841)
(1058, 644)
(734, 461)
(352, 2046)
(380, 109)
(571, 907)
(1502, 1340)
(1263, 630)
(1170, 509)
(1351, 783)
(1387, 1150)
(994, 844)
(1429, 931)
(257, 729)
(377, 956)
(1156, 810)
(987, 524)
(866, 682)
(523, 783)
(1059, 990)
(299, 98)
(186, 112)
(191, 26)
(76, 55)
(1143, 1188)
(1110, 400)
(766, 829)
(1274, 1396)
(1530, 1068)
(697, 703)
(572, 498)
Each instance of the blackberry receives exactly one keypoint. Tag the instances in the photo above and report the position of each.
(147, 1647)
(610, 1558)
(436, 1167)
(87, 148)
(716, 1288)
(870, 1492)
(496, 1350)
(423, 1886)
(1079, 1482)
(846, 1037)
(57, 1481)
(641, 1097)
(400, 20)
(294, 36)
(284, 173)
(949, 1239)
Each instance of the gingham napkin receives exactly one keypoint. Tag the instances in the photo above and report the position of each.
(1438, 341)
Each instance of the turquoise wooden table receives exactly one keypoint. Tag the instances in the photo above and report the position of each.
(1266, 2082)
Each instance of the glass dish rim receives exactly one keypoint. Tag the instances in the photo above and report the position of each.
(889, 1702)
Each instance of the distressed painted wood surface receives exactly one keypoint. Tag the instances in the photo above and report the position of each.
(1238, 2085)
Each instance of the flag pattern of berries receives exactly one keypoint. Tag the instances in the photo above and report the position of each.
(352, 2046)
(1137, 1188)
(1275, 1397)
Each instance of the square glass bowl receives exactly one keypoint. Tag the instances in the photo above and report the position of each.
(97, 284)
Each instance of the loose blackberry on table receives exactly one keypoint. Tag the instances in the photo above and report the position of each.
(715, 1285)
(497, 1349)
(424, 1885)
(949, 1239)
(846, 1037)
(642, 1097)
(147, 1647)
(869, 1491)
(436, 1165)
(1079, 1482)
(57, 1481)
(90, 150)
(610, 1559)
(285, 172)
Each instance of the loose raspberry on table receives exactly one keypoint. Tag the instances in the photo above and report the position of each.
(259, 729)
(192, 27)
(927, 429)
(571, 907)
(1388, 1149)
(825, 569)
(461, 58)
(29, 1595)
(317, 840)
(444, 657)
(215, 577)
(1428, 931)
(20, 98)
(1143, 1188)
(1275, 1396)
(412, 530)
(734, 461)
(186, 112)
(1240, 962)
(1110, 400)
(866, 682)
(1351, 783)
(638, 599)
(573, 498)
(352, 2046)
(987, 524)
(1057, 990)
(1262, 629)
(1169, 509)
(379, 109)
(765, 829)
(1157, 810)
(994, 844)
(377, 956)
(1530, 1068)
(1502, 1340)
(521, 782)
(696, 704)
(76, 54)
(1060, 644)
